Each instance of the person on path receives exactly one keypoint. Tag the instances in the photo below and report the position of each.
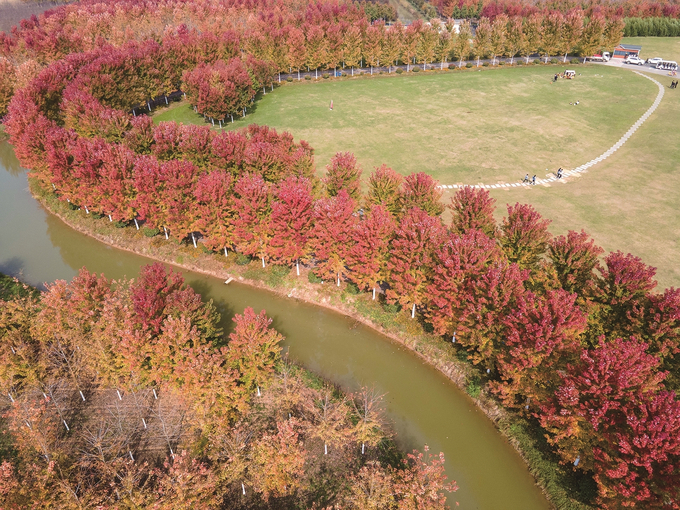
(526, 178)
(559, 173)
(533, 180)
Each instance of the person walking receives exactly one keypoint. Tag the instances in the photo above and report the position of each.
(533, 180)
(526, 178)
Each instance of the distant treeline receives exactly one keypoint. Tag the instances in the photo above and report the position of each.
(652, 27)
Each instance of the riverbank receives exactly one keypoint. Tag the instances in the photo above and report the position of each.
(556, 481)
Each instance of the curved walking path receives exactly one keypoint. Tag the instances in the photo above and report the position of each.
(585, 166)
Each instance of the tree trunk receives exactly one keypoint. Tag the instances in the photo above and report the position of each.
(413, 311)
(193, 238)
(298, 75)
(338, 279)
(136, 224)
(110, 218)
(325, 449)
(226, 253)
(297, 267)
(87, 210)
(373, 293)
(263, 261)
(166, 233)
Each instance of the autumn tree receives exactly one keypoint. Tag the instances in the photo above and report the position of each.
(472, 209)
(572, 31)
(482, 40)
(410, 265)
(461, 43)
(384, 188)
(524, 236)
(291, 220)
(533, 34)
(253, 200)
(343, 173)
(334, 221)
(254, 348)
(574, 258)
(421, 191)
(552, 42)
(367, 259)
(591, 37)
(497, 37)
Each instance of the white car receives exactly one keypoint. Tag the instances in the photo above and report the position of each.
(634, 60)
(654, 61)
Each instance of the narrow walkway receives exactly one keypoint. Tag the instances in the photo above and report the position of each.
(586, 166)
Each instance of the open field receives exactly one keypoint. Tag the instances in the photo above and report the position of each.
(664, 47)
(628, 202)
(460, 126)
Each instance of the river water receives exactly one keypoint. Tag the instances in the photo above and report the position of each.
(423, 406)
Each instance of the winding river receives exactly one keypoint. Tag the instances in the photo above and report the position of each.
(424, 407)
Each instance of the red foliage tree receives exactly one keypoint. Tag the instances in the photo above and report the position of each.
(473, 209)
(215, 210)
(421, 191)
(334, 222)
(291, 220)
(252, 201)
(524, 236)
(458, 262)
(343, 173)
(411, 260)
(367, 260)
(574, 259)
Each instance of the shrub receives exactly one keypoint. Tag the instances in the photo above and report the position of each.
(501, 62)
(307, 77)
(242, 260)
(120, 224)
(485, 64)
(469, 65)
(150, 232)
(415, 69)
(344, 74)
(392, 307)
(97, 216)
(474, 387)
(553, 61)
(399, 70)
(575, 61)
(277, 274)
(325, 76)
(519, 62)
(289, 79)
(312, 278)
(537, 61)
(381, 72)
(352, 289)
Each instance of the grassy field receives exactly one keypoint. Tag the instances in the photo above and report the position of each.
(460, 126)
(629, 202)
(519, 123)
(667, 48)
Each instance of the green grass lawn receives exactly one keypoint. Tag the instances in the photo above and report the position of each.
(488, 126)
(667, 48)
(518, 122)
(630, 201)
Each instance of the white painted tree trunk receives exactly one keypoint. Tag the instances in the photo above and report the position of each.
(220, 124)
(373, 293)
(166, 99)
(87, 210)
(259, 394)
(263, 261)
(338, 279)
(54, 187)
(193, 238)
(325, 449)
(297, 267)
(413, 311)
(243, 487)
(166, 233)
(226, 253)
(136, 224)
(149, 105)
(110, 218)
(362, 448)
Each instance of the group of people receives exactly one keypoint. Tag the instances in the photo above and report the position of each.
(575, 103)
(674, 84)
(560, 174)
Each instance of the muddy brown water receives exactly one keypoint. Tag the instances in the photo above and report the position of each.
(423, 406)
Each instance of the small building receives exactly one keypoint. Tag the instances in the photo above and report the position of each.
(626, 50)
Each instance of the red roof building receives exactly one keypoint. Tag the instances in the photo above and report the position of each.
(626, 50)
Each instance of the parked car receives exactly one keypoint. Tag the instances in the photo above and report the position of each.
(654, 61)
(633, 60)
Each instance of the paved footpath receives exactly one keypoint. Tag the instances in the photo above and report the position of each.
(585, 166)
